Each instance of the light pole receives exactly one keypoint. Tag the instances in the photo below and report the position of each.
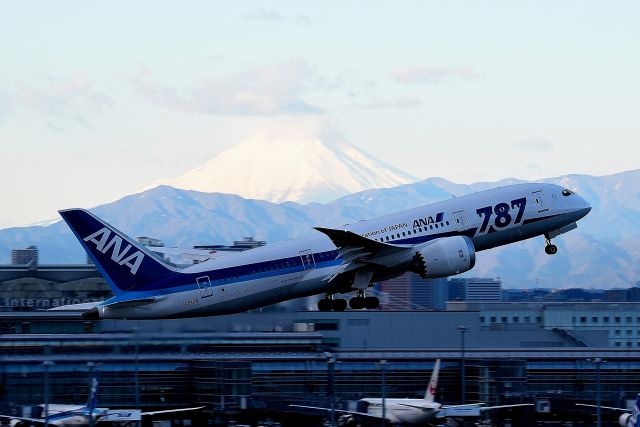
(331, 362)
(597, 361)
(92, 391)
(136, 380)
(463, 330)
(383, 368)
(47, 364)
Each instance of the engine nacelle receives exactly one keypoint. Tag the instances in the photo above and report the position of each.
(444, 257)
(16, 423)
(626, 420)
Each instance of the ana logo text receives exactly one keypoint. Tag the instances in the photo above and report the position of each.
(424, 222)
(101, 239)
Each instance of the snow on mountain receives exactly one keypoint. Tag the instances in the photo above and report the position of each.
(303, 170)
(603, 252)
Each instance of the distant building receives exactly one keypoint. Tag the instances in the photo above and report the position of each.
(238, 245)
(475, 289)
(428, 293)
(27, 256)
(616, 295)
(150, 241)
(395, 293)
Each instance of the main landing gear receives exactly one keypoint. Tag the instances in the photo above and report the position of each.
(356, 303)
(550, 248)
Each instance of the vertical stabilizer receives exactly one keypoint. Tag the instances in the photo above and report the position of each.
(433, 384)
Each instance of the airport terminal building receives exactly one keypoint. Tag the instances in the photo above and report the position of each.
(252, 366)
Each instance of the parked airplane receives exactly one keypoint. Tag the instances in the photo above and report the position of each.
(630, 418)
(436, 240)
(82, 415)
(416, 411)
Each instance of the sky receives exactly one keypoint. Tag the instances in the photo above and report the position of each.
(98, 99)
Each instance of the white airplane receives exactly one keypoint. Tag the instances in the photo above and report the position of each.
(436, 240)
(81, 415)
(416, 411)
(630, 418)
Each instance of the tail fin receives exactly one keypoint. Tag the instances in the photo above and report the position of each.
(430, 395)
(92, 401)
(125, 264)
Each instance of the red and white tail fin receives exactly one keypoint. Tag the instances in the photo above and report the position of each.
(433, 384)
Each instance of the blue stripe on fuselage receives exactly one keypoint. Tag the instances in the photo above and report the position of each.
(178, 282)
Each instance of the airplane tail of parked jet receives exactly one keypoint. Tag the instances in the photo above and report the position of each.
(433, 383)
(125, 264)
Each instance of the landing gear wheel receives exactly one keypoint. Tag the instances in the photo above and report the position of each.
(357, 303)
(339, 304)
(325, 304)
(551, 249)
(371, 303)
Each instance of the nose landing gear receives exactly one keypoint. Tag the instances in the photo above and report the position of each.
(550, 248)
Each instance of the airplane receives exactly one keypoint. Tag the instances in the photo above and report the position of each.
(416, 411)
(631, 417)
(436, 240)
(61, 415)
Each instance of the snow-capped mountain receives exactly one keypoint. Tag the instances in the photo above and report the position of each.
(603, 252)
(301, 170)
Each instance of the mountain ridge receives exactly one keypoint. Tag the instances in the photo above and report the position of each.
(603, 252)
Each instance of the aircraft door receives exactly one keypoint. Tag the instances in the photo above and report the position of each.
(205, 286)
(541, 201)
(308, 262)
(461, 220)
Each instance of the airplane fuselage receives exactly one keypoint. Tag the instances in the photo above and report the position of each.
(305, 266)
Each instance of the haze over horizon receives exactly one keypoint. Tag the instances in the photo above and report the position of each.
(95, 106)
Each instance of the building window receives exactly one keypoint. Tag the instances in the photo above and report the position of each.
(481, 319)
(617, 319)
(606, 319)
(628, 319)
(617, 343)
(628, 343)
(583, 319)
(628, 331)
(527, 319)
(493, 319)
(504, 319)
(516, 319)
(538, 319)
(594, 319)
(617, 332)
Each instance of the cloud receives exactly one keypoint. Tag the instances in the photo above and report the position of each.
(270, 15)
(426, 74)
(60, 97)
(5, 105)
(375, 103)
(534, 143)
(264, 91)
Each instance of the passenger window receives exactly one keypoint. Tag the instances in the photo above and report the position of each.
(420, 229)
(403, 234)
(436, 225)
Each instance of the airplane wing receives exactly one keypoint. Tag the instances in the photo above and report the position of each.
(76, 307)
(170, 411)
(489, 408)
(358, 251)
(341, 411)
(604, 407)
(31, 420)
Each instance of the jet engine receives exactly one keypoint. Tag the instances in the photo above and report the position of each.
(16, 423)
(444, 257)
(626, 420)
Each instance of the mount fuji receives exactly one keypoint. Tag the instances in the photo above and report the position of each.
(300, 170)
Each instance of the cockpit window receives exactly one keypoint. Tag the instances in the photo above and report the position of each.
(566, 192)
